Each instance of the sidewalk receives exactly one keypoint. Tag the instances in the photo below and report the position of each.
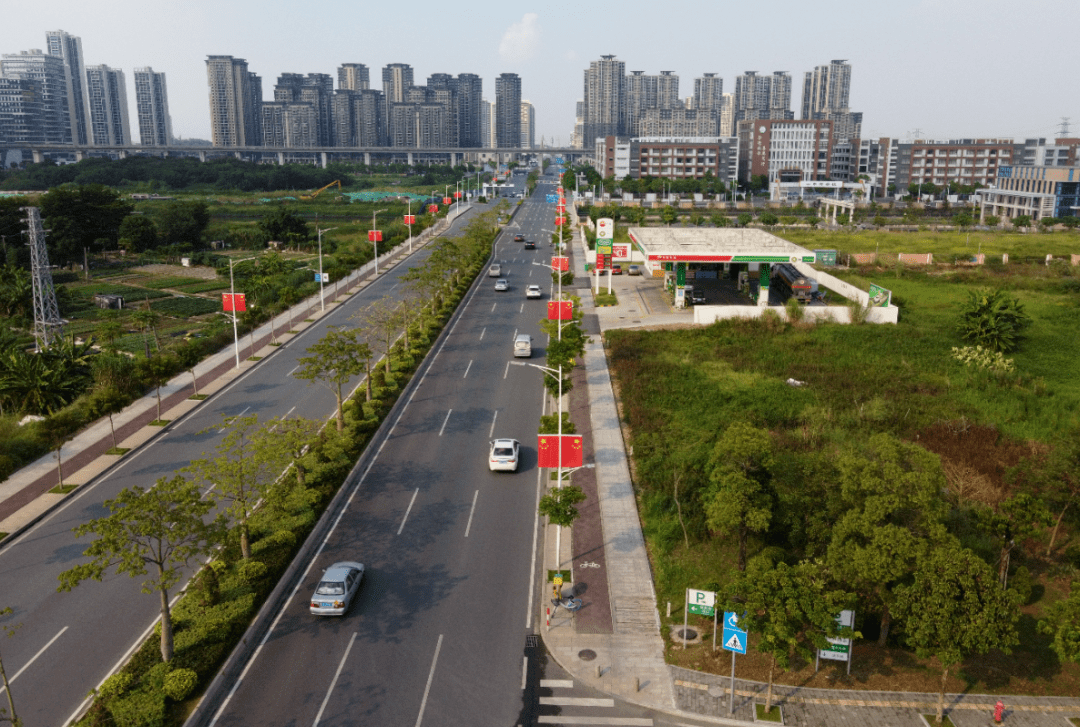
(25, 496)
(614, 642)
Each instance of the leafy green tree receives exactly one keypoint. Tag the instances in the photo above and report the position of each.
(281, 224)
(105, 401)
(189, 355)
(891, 511)
(791, 609)
(669, 214)
(719, 219)
(245, 464)
(148, 320)
(759, 182)
(108, 331)
(138, 234)
(1021, 221)
(181, 222)
(1056, 479)
(159, 529)
(1062, 623)
(740, 499)
(993, 319)
(768, 218)
(954, 608)
(744, 219)
(559, 505)
(963, 220)
(86, 216)
(16, 293)
(334, 360)
(383, 320)
(1015, 519)
(157, 370)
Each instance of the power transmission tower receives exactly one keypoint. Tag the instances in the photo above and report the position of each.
(1064, 127)
(48, 326)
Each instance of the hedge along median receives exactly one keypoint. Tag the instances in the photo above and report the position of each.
(230, 603)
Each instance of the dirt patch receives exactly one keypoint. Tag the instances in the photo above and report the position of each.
(975, 458)
(200, 272)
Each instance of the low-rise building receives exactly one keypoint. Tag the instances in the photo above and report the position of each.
(668, 157)
(1039, 192)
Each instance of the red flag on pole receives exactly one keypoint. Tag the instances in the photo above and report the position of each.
(410, 219)
(572, 454)
(433, 208)
(560, 310)
(559, 191)
(560, 263)
(560, 220)
(547, 451)
(457, 194)
(446, 200)
(233, 303)
(561, 209)
(374, 236)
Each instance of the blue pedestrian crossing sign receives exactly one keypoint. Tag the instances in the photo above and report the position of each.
(734, 638)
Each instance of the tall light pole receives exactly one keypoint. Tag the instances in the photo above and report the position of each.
(408, 216)
(232, 297)
(375, 240)
(322, 298)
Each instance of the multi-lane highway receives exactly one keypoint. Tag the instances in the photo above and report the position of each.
(68, 642)
(438, 633)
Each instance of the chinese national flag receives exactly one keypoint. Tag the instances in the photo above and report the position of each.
(457, 195)
(560, 310)
(560, 263)
(562, 200)
(559, 191)
(547, 450)
(446, 200)
(410, 219)
(433, 208)
(561, 209)
(571, 451)
(560, 220)
(233, 303)
(374, 236)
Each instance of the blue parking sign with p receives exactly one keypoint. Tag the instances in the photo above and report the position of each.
(734, 638)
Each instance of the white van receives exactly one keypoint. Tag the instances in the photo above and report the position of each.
(523, 346)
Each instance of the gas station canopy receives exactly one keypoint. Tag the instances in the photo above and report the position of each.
(715, 245)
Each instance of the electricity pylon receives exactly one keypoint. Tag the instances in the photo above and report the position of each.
(48, 326)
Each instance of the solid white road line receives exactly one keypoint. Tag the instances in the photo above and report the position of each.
(409, 509)
(467, 370)
(522, 308)
(294, 369)
(333, 682)
(443, 427)
(557, 683)
(491, 432)
(431, 675)
(471, 511)
(577, 702)
(507, 369)
(34, 658)
(524, 671)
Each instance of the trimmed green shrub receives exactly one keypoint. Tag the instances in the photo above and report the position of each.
(179, 683)
(251, 571)
(115, 686)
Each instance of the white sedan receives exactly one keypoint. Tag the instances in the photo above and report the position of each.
(504, 455)
(533, 291)
(501, 284)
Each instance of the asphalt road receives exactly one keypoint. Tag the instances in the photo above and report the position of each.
(67, 643)
(437, 634)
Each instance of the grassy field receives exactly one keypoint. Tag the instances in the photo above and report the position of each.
(688, 385)
(946, 245)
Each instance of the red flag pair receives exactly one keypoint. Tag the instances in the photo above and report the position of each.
(374, 236)
(560, 310)
(548, 450)
(233, 302)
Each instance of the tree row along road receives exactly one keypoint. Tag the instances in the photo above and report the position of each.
(437, 633)
(68, 643)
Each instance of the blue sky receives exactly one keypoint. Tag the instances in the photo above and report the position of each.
(950, 68)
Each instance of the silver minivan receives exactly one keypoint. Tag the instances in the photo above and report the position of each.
(495, 271)
(523, 346)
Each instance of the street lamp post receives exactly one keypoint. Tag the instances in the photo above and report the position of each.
(232, 297)
(409, 217)
(322, 298)
(375, 241)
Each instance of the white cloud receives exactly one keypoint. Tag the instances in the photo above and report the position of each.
(521, 41)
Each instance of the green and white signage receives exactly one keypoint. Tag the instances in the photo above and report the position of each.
(880, 297)
(839, 649)
(703, 603)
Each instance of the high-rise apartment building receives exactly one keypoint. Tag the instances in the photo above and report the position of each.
(667, 90)
(641, 93)
(69, 48)
(152, 108)
(487, 124)
(727, 115)
(528, 125)
(780, 97)
(508, 111)
(107, 92)
(21, 113)
(49, 75)
(605, 100)
(752, 96)
(353, 77)
(235, 102)
(469, 96)
(826, 93)
(289, 124)
(708, 92)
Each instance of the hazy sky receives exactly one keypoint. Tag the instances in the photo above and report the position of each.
(950, 68)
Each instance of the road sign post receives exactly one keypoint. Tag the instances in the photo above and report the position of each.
(735, 642)
(838, 649)
(702, 603)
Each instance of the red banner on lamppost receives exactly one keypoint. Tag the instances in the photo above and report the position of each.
(560, 310)
(548, 451)
(457, 194)
(410, 219)
(374, 236)
(560, 263)
(446, 200)
(433, 208)
(560, 220)
(561, 209)
(233, 302)
(559, 191)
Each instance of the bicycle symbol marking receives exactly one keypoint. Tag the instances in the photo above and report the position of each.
(589, 564)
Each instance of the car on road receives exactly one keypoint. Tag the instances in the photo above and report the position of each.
(533, 291)
(616, 269)
(495, 271)
(530, 245)
(501, 284)
(697, 296)
(504, 455)
(633, 270)
(336, 589)
(519, 238)
(523, 346)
